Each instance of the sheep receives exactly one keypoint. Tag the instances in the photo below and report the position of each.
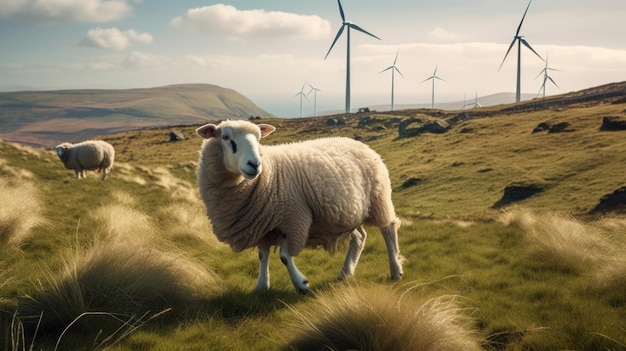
(87, 155)
(309, 193)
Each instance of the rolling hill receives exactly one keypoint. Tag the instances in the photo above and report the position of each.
(46, 118)
(130, 263)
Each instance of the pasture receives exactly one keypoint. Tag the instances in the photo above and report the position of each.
(130, 263)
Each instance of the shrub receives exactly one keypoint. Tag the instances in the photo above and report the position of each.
(381, 318)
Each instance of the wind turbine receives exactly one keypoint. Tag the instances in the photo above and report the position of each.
(349, 25)
(433, 77)
(393, 69)
(302, 95)
(475, 104)
(313, 90)
(546, 77)
(520, 40)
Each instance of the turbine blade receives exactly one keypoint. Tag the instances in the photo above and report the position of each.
(343, 17)
(435, 71)
(352, 25)
(394, 61)
(543, 71)
(440, 78)
(553, 82)
(397, 70)
(522, 21)
(427, 79)
(386, 69)
(531, 49)
(507, 53)
(334, 41)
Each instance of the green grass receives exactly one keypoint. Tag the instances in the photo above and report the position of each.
(130, 263)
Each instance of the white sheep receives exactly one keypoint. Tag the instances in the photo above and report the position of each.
(87, 155)
(309, 193)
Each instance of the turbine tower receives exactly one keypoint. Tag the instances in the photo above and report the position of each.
(349, 25)
(302, 95)
(393, 69)
(546, 77)
(520, 40)
(433, 77)
(313, 90)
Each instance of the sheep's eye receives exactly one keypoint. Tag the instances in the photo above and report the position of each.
(226, 138)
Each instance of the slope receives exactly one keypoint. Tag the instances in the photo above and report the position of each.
(45, 118)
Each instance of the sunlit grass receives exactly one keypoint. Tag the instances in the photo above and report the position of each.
(21, 209)
(381, 318)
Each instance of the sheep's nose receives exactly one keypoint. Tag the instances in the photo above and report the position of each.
(254, 165)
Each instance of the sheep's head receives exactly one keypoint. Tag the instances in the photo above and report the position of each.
(62, 148)
(240, 144)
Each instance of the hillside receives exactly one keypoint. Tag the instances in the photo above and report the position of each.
(130, 263)
(46, 118)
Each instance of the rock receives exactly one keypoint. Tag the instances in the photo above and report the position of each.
(516, 191)
(612, 202)
(612, 124)
(560, 128)
(438, 126)
(410, 182)
(541, 127)
(176, 136)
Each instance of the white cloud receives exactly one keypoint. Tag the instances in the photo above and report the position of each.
(441, 34)
(228, 20)
(114, 39)
(65, 10)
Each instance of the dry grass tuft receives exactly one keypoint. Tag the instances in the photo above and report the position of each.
(381, 318)
(119, 221)
(559, 241)
(20, 211)
(122, 277)
(185, 219)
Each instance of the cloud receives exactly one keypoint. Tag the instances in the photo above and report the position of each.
(229, 21)
(442, 34)
(65, 10)
(114, 39)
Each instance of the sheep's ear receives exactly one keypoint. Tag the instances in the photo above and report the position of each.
(266, 129)
(207, 131)
(60, 151)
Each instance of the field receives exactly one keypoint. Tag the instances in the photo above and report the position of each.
(131, 264)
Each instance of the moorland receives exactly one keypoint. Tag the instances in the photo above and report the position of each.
(506, 246)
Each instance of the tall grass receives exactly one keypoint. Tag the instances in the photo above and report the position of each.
(119, 277)
(381, 318)
(564, 243)
(559, 241)
(20, 211)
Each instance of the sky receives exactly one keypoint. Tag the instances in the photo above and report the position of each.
(267, 50)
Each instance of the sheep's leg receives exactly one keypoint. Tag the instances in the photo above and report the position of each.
(298, 279)
(357, 242)
(105, 173)
(390, 233)
(263, 283)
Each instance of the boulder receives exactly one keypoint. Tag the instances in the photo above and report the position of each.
(517, 191)
(176, 136)
(614, 201)
(612, 124)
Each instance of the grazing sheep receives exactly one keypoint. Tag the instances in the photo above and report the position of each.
(88, 155)
(309, 193)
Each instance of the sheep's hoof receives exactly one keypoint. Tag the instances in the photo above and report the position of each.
(304, 288)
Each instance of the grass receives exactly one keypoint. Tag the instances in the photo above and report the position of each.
(379, 318)
(130, 263)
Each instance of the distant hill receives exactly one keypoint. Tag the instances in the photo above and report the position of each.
(487, 100)
(46, 118)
